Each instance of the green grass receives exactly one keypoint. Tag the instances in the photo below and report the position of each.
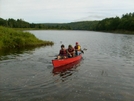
(11, 38)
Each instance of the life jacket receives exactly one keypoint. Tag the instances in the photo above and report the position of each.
(77, 47)
(70, 50)
(63, 52)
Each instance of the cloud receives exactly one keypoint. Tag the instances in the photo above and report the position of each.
(63, 10)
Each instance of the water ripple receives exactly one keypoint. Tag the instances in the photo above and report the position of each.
(104, 74)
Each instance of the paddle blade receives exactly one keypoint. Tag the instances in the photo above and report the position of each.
(82, 51)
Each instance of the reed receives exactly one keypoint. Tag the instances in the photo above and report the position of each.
(11, 38)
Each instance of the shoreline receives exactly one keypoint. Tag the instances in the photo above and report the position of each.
(113, 31)
(11, 39)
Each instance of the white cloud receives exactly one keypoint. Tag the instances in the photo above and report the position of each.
(63, 10)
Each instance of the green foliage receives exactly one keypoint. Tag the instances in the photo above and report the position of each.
(10, 38)
(3, 22)
(19, 23)
(126, 22)
(83, 25)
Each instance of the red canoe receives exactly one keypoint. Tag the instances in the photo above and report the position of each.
(63, 62)
(65, 68)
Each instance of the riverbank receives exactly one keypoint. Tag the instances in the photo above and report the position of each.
(123, 32)
(11, 38)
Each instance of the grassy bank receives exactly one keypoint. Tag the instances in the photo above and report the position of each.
(11, 38)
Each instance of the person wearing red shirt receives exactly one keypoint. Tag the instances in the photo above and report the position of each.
(62, 53)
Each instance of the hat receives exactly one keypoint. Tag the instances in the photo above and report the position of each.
(76, 42)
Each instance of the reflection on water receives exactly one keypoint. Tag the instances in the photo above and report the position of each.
(6, 54)
(105, 74)
(127, 47)
(62, 69)
(65, 71)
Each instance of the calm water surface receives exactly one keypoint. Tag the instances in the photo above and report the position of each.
(106, 72)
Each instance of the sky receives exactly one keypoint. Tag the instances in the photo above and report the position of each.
(64, 11)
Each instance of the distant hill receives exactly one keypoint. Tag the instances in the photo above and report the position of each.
(125, 23)
(82, 25)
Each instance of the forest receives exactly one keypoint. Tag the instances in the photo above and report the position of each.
(124, 23)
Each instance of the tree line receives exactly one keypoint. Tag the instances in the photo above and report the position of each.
(20, 23)
(126, 22)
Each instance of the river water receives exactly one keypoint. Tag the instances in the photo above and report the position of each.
(106, 72)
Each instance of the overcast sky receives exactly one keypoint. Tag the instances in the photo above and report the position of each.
(64, 11)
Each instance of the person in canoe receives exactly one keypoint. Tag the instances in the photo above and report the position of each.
(62, 53)
(77, 48)
(70, 51)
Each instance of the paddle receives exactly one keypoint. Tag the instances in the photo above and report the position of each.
(82, 51)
